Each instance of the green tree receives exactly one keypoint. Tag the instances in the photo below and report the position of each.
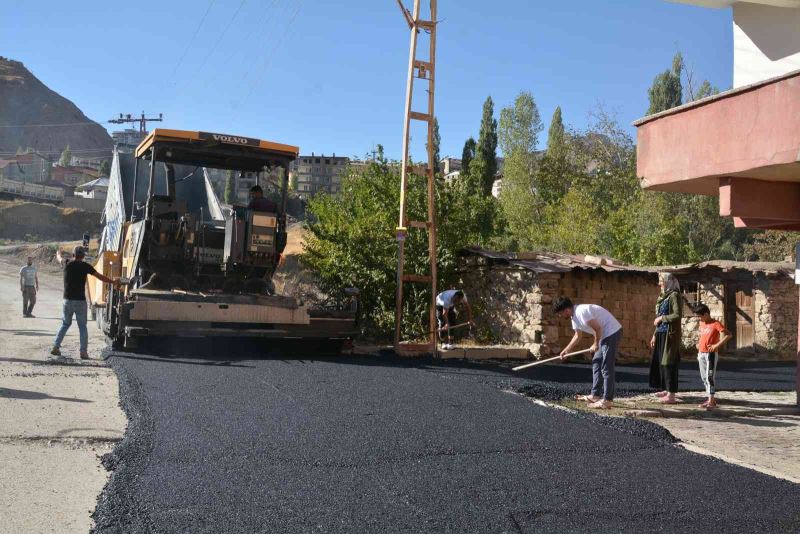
(351, 241)
(772, 245)
(437, 140)
(293, 182)
(483, 167)
(229, 196)
(667, 90)
(518, 133)
(66, 157)
(556, 141)
(105, 168)
(467, 155)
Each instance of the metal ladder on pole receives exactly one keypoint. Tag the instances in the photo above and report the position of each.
(423, 70)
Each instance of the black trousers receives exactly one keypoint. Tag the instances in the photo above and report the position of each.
(451, 318)
(670, 374)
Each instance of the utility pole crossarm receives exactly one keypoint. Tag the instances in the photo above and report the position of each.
(406, 14)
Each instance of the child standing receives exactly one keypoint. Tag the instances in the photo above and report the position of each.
(708, 351)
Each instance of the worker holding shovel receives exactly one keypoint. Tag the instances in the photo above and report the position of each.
(446, 304)
(607, 333)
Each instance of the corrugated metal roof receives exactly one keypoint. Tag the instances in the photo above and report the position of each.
(554, 262)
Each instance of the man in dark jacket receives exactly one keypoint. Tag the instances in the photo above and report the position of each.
(258, 202)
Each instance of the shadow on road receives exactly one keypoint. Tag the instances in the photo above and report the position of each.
(23, 394)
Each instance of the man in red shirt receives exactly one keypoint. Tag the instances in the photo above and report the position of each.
(708, 350)
(258, 202)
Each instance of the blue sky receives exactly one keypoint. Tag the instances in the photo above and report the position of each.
(330, 76)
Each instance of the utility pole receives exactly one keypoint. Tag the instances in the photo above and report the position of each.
(142, 120)
(423, 70)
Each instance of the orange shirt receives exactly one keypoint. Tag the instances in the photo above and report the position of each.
(709, 334)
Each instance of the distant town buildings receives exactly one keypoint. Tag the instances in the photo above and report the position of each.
(95, 189)
(128, 139)
(315, 173)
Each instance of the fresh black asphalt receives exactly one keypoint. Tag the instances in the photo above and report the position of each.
(293, 443)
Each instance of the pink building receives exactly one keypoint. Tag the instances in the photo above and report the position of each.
(742, 145)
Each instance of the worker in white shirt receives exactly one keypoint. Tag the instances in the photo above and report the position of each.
(28, 285)
(606, 332)
(446, 304)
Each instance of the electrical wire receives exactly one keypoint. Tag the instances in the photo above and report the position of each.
(267, 64)
(221, 36)
(194, 36)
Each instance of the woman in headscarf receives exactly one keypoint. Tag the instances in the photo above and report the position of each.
(666, 341)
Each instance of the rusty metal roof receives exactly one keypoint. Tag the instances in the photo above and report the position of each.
(554, 262)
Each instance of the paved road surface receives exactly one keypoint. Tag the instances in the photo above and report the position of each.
(368, 445)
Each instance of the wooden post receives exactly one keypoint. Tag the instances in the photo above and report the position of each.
(401, 225)
(424, 70)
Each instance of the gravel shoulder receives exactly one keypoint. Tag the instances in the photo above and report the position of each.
(57, 418)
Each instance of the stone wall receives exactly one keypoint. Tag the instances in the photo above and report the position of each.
(512, 306)
(775, 299)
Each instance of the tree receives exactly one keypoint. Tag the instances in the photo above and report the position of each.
(66, 157)
(230, 188)
(518, 134)
(772, 245)
(467, 155)
(483, 167)
(667, 90)
(351, 241)
(293, 182)
(105, 168)
(556, 143)
(437, 140)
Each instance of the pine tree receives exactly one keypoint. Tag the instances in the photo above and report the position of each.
(483, 167)
(467, 155)
(667, 90)
(230, 195)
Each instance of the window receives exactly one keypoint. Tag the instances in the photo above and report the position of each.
(316, 161)
(327, 162)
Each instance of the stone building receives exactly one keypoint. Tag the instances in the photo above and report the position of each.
(512, 294)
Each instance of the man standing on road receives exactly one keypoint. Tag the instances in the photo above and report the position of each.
(75, 273)
(29, 285)
(607, 332)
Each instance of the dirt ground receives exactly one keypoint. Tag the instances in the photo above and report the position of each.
(56, 417)
(34, 222)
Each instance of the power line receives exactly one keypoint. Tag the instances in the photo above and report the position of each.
(221, 36)
(194, 35)
(262, 23)
(267, 64)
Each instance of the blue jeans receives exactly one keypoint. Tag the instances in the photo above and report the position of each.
(78, 307)
(603, 370)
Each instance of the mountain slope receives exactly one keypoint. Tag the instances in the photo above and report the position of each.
(24, 101)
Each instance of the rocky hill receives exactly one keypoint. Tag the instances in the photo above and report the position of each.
(25, 101)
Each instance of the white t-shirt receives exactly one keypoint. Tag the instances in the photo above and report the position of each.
(583, 313)
(28, 274)
(445, 298)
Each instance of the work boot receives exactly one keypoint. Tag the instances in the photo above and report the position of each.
(84, 355)
(56, 351)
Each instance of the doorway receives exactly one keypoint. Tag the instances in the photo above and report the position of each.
(739, 315)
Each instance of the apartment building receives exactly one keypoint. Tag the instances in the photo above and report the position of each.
(316, 173)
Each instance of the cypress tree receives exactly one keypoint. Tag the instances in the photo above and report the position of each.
(467, 155)
(485, 162)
